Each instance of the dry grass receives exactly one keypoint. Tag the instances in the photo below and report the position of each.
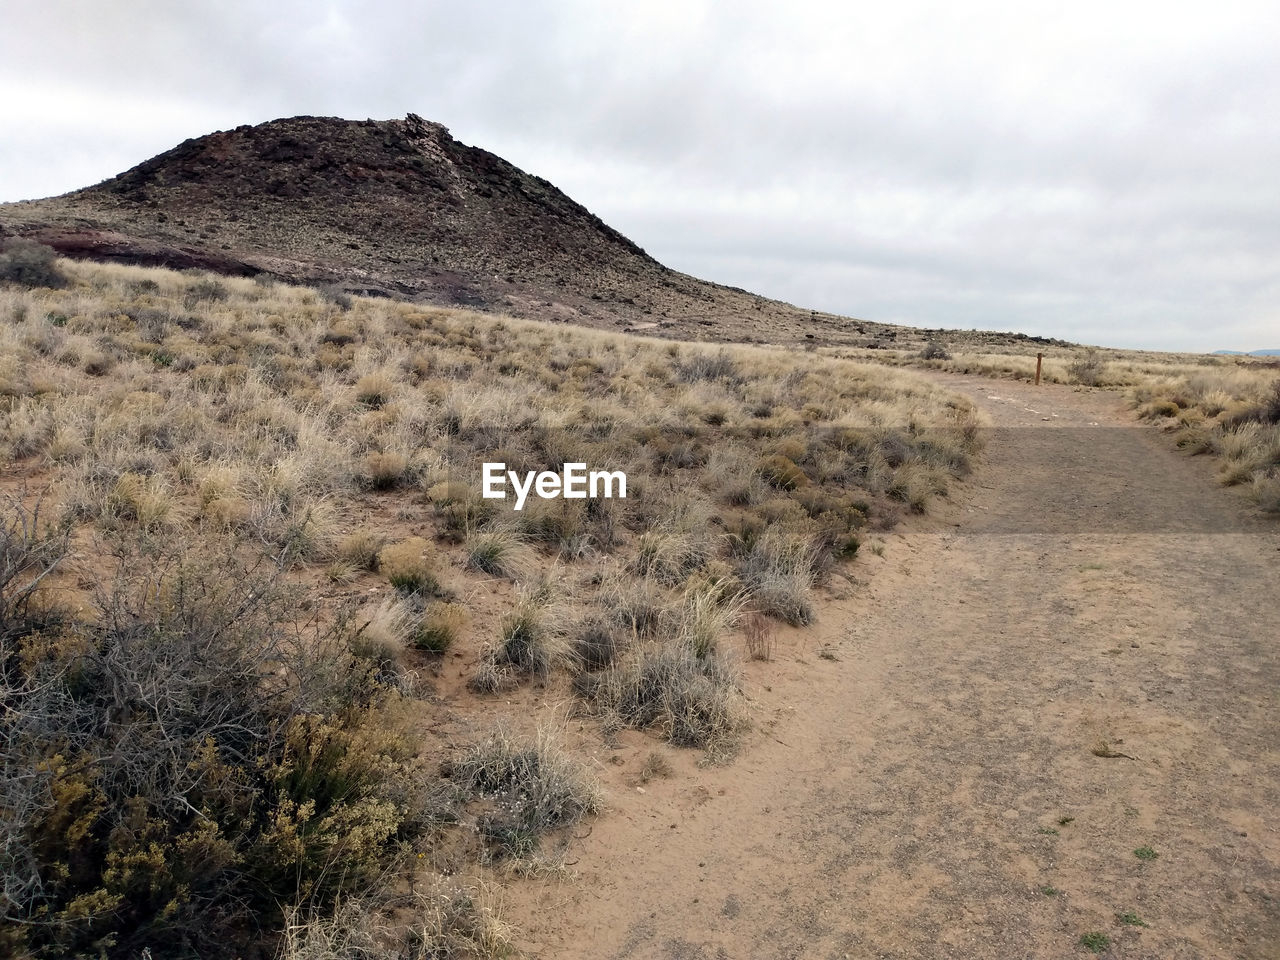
(446, 919)
(341, 445)
(527, 787)
(1224, 406)
(759, 636)
(1232, 413)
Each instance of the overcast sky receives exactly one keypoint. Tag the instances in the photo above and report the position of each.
(1103, 172)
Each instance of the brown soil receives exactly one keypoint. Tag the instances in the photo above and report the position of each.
(917, 753)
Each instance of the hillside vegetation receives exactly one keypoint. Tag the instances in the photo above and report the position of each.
(245, 526)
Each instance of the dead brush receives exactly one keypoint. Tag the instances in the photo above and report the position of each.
(637, 606)
(669, 555)
(759, 636)
(499, 552)
(527, 641)
(456, 919)
(530, 785)
(384, 470)
(597, 642)
(361, 549)
(694, 701)
(779, 573)
(705, 614)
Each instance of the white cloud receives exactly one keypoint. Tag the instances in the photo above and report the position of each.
(1096, 171)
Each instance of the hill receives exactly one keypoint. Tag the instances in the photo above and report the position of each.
(401, 208)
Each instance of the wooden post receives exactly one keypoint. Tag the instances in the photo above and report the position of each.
(1039, 360)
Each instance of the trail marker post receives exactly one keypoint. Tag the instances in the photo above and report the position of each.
(1039, 360)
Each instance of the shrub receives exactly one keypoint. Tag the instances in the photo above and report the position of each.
(439, 627)
(375, 390)
(933, 350)
(705, 614)
(1087, 369)
(782, 472)
(361, 549)
(384, 628)
(407, 568)
(1159, 408)
(177, 768)
(334, 294)
(383, 471)
(669, 554)
(499, 553)
(707, 366)
(30, 264)
(492, 677)
(1271, 406)
(1266, 493)
(532, 784)
(636, 606)
(1095, 941)
(526, 643)
(453, 920)
(203, 292)
(779, 572)
(597, 642)
(695, 701)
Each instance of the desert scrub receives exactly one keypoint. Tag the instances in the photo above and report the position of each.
(779, 570)
(30, 264)
(361, 549)
(530, 786)
(691, 700)
(312, 407)
(527, 641)
(498, 552)
(407, 567)
(706, 612)
(227, 759)
(384, 471)
(382, 630)
(597, 642)
(670, 552)
(1231, 410)
(440, 626)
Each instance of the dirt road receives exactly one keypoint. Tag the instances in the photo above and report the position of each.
(925, 777)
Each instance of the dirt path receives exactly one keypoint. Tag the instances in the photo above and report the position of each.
(911, 797)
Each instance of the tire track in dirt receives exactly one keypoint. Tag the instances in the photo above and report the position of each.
(920, 795)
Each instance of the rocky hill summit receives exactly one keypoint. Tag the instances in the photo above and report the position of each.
(401, 208)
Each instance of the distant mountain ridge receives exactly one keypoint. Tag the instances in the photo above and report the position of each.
(1248, 353)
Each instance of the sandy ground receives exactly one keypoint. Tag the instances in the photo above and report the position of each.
(922, 780)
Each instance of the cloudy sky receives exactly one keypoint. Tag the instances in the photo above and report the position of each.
(1105, 172)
